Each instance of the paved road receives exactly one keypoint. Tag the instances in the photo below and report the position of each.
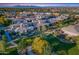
(14, 45)
(29, 50)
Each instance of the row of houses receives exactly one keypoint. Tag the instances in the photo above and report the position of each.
(33, 21)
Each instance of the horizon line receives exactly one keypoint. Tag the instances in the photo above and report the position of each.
(39, 4)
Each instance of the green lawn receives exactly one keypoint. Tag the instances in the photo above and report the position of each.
(62, 48)
(73, 51)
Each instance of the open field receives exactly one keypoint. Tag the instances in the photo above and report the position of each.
(71, 30)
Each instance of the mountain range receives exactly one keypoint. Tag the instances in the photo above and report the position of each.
(32, 6)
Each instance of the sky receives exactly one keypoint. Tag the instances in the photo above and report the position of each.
(38, 4)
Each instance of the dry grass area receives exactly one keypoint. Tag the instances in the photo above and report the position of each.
(71, 30)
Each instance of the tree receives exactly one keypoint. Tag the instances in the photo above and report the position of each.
(12, 51)
(5, 21)
(23, 45)
(41, 46)
(2, 46)
(4, 38)
(2, 19)
(61, 52)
